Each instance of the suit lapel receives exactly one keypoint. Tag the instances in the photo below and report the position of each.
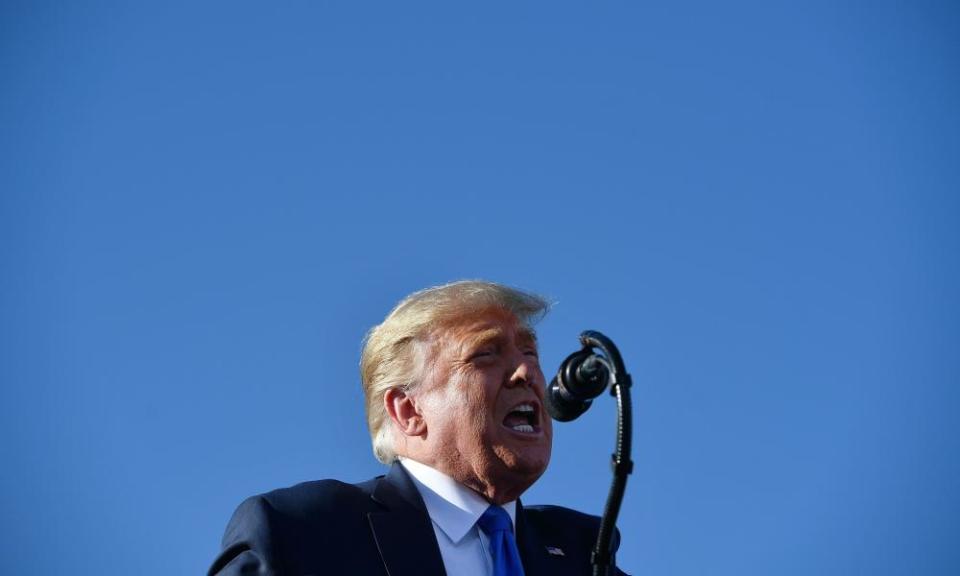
(403, 532)
(533, 552)
(544, 557)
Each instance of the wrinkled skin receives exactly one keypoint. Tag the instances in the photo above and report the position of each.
(477, 370)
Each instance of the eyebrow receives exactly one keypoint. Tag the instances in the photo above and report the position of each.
(483, 337)
(524, 336)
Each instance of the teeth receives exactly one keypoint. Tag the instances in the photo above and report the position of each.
(523, 408)
(523, 428)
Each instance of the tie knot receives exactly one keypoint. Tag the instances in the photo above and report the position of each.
(495, 519)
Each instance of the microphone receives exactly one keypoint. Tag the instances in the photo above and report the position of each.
(582, 377)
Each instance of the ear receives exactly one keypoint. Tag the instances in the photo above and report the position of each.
(403, 411)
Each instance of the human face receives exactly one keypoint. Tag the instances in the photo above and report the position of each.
(482, 401)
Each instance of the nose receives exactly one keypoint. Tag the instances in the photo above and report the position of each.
(523, 371)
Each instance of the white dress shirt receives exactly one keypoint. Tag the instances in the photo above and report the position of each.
(454, 510)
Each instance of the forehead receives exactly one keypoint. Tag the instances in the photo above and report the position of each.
(482, 326)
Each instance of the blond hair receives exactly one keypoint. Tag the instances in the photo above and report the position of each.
(390, 357)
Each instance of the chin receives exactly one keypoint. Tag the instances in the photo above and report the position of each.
(537, 467)
(528, 466)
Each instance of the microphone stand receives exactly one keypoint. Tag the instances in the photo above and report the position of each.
(603, 558)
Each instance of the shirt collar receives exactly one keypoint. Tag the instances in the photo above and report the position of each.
(453, 507)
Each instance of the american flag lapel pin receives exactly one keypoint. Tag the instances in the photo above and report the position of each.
(554, 551)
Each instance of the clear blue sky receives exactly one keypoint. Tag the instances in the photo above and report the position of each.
(204, 206)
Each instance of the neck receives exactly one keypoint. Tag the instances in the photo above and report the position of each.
(496, 489)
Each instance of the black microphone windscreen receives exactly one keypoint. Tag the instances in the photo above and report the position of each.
(561, 406)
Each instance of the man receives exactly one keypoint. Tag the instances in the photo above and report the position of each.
(454, 402)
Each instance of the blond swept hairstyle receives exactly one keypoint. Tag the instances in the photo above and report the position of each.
(390, 358)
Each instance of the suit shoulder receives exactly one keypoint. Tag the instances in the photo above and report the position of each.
(557, 520)
(277, 531)
(317, 497)
(549, 514)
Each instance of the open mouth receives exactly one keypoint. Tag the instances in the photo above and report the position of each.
(523, 418)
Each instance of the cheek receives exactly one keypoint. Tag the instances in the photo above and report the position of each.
(464, 403)
(475, 408)
(440, 407)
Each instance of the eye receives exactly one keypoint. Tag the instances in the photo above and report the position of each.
(531, 352)
(482, 353)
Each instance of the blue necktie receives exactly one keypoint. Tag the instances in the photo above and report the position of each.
(496, 524)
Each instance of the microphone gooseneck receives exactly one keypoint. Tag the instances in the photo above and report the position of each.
(583, 376)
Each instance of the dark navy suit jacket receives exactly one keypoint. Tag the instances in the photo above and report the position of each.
(380, 528)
